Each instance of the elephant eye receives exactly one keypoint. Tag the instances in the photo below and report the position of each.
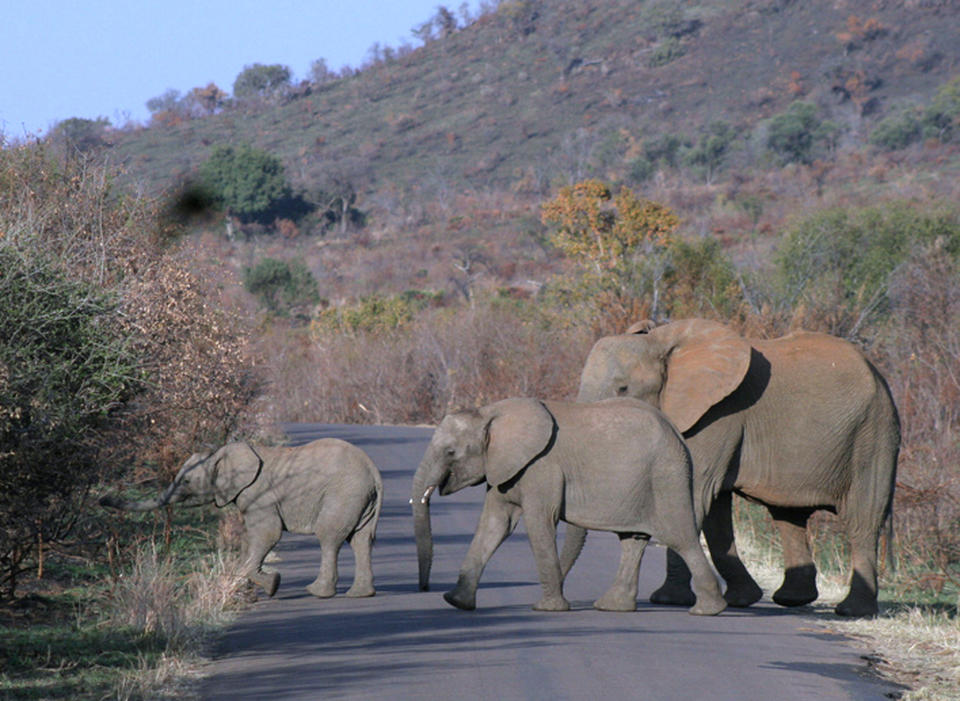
(622, 390)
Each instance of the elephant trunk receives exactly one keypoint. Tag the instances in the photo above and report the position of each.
(425, 481)
(145, 505)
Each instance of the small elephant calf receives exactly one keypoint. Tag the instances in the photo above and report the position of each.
(328, 487)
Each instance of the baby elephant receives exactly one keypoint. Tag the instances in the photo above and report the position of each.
(328, 487)
(616, 465)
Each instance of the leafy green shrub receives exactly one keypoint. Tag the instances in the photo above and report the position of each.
(663, 149)
(245, 181)
(670, 49)
(79, 135)
(897, 131)
(280, 286)
(842, 258)
(941, 119)
(701, 280)
(794, 133)
(258, 80)
(65, 368)
(706, 155)
(377, 313)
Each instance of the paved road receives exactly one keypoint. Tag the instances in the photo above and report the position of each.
(406, 644)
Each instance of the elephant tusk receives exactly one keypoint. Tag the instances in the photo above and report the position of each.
(426, 495)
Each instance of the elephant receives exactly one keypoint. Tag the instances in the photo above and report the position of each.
(797, 423)
(616, 465)
(327, 487)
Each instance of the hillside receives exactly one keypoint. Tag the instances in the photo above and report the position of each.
(545, 90)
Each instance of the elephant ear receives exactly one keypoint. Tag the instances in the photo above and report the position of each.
(641, 327)
(706, 361)
(518, 430)
(236, 467)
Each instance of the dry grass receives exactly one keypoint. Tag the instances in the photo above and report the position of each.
(915, 645)
(183, 610)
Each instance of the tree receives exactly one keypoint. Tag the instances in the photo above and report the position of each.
(258, 80)
(65, 369)
(791, 133)
(79, 135)
(941, 119)
(280, 286)
(707, 154)
(204, 101)
(592, 224)
(245, 181)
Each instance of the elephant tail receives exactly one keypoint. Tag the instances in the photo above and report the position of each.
(371, 516)
(888, 537)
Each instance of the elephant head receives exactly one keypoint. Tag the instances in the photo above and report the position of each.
(217, 477)
(683, 368)
(493, 444)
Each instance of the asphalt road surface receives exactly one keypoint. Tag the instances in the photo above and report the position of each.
(407, 644)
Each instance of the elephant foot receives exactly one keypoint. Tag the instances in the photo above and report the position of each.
(857, 608)
(708, 606)
(673, 595)
(793, 599)
(552, 603)
(743, 596)
(269, 581)
(322, 590)
(359, 591)
(615, 602)
(460, 601)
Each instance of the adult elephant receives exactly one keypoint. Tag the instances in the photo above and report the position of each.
(327, 487)
(798, 423)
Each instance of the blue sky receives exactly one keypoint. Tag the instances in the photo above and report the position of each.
(93, 58)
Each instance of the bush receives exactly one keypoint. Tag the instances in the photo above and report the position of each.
(258, 80)
(246, 182)
(416, 372)
(77, 135)
(837, 263)
(941, 119)
(377, 313)
(793, 133)
(66, 367)
(897, 131)
(668, 50)
(701, 280)
(712, 145)
(280, 286)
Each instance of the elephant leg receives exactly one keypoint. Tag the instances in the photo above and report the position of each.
(742, 590)
(709, 601)
(497, 521)
(622, 595)
(331, 536)
(541, 527)
(861, 600)
(675, 590)
(573, 541)
(361, 543)
(800, 573)
(261, 535)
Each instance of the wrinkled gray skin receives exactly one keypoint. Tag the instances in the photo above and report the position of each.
(615, 466)
(797, 423)
(328, 487)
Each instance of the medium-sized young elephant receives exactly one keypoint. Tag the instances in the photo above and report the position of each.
(617, 465)
(328, 487)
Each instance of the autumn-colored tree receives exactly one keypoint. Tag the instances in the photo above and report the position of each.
(204, 101)
(593, 225)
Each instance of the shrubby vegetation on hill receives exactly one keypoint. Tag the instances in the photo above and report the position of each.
(113, 353)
